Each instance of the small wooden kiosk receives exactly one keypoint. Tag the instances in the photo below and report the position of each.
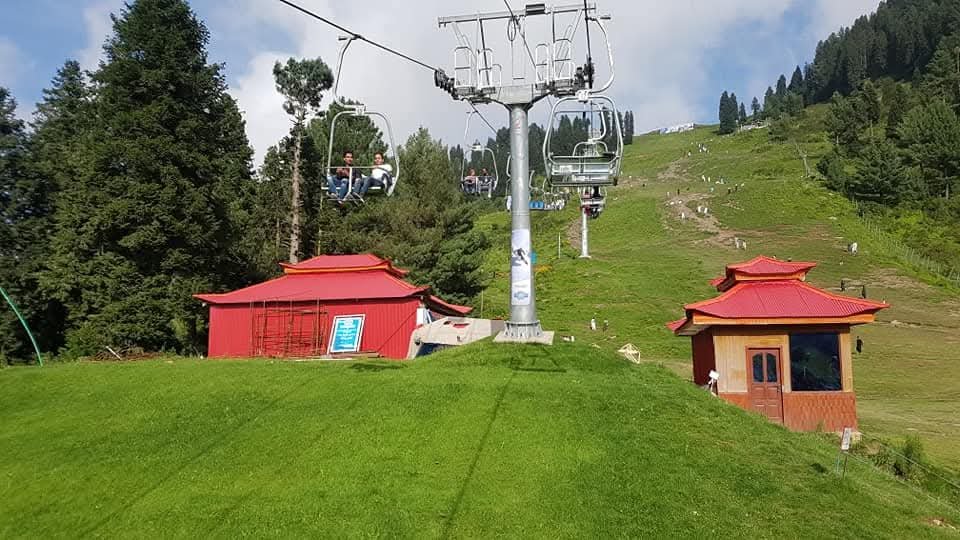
(781, 346)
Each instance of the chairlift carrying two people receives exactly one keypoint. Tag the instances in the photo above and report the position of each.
(472, 182)
(348, 182)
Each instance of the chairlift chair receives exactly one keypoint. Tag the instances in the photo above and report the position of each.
(359, 110)
(592, 162)
(482, 185)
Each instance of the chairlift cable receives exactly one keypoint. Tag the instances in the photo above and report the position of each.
(360, 37)
(516, 21)
(489, 125)
(586, 25)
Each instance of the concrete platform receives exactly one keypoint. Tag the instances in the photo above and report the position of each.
(546, 338)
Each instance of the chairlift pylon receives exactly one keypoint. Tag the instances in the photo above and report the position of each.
(377, 172)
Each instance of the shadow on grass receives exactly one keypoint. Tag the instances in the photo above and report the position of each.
(376, 368)
(447, 527)
(536, 360)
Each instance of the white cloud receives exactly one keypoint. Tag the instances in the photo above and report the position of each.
(661, 49)
(11, 60)
(831, 15)
(96, 18)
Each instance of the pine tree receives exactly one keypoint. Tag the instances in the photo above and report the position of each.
(16, 206)
(879, 178)
(771, 105)
(782, 87)
(628, 137)
(728, 114)
(756, 109)
(743, 115)
(302, 83)
(796, 82)
(154, 214)
(930, 135)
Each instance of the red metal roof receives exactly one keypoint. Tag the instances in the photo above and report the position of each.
(769, 289)
(309, 287)
(768, 266)
(335, 278)
(782, 299)
(342, 263)
(675, 325)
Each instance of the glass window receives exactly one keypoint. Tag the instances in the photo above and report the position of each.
(815, 362)
(758, 368)
(772, 368)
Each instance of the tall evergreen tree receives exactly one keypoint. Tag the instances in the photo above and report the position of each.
(755, 109)
(880, 177)
(728, 114)
(930, 135)
(17, 205)
(155, 212)
(302, 83)
(781, 87)
(796, 82)
(743, 115)
(771, 105)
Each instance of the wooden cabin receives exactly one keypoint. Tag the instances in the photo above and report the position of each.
(781, 346)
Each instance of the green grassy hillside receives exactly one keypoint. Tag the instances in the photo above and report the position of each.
(482, 441)
(516, 441)
(647, 263)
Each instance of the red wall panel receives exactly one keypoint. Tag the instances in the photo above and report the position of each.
(387, 326)
(704, 359)
(230, 331)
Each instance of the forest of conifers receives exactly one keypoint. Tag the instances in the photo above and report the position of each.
(892, 82)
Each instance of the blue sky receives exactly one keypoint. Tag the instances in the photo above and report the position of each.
(673, 58)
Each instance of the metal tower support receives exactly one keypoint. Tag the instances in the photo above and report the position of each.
(523, 324)
(476, 80)
(584, 241)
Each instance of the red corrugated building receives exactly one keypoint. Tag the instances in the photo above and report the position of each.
(781, 346)
(293, 315)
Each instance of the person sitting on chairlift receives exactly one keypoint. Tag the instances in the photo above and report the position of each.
(484, 181)
(470, 182)
(338, 183)
(379, 177)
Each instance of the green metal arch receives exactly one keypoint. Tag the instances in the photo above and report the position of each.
(23, 321)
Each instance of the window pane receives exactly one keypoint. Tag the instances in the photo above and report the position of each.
(758, 368)
(772, 368)
(815, 362)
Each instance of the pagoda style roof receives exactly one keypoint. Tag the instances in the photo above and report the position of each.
(332, 278)
(766, 291)
(342, 263)
(760, 269)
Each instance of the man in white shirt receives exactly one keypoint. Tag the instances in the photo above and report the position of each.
(380, 176)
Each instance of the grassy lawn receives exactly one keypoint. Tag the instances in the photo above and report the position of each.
(647, 264)
(486, 440)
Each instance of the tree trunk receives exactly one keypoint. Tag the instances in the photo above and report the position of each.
(295, 202)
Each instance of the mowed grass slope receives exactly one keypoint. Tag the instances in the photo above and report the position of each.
(647, 263)
(482, 441)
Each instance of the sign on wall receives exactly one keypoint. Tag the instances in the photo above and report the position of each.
(347, 333)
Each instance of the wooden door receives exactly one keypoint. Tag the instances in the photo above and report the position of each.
(764, 373)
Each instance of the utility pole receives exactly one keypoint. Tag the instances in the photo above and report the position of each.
(479, 79)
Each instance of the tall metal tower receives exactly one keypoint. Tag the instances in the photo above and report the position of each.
(478, 79)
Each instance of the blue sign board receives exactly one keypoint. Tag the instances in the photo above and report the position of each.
(346, 334)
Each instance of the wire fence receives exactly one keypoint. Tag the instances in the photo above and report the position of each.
(906, 254)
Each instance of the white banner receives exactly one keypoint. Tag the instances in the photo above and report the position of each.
(520, 268)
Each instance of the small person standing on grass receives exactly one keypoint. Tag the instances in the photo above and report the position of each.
(859, 345)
